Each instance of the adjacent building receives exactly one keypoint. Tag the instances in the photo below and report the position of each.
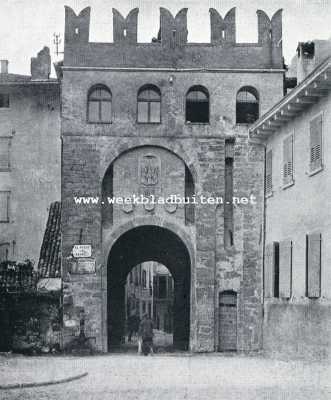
(297, 256)
(30, 157)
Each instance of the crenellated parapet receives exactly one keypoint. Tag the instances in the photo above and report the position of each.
(125, 30)
(173, 29)
(222, 30)
(171, 48)
(77, 27)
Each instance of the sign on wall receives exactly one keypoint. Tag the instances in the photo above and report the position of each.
(83, 266)
(82, 250)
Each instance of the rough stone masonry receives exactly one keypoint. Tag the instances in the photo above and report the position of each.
(213, 252)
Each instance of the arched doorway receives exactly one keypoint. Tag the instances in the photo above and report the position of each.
(138, 245)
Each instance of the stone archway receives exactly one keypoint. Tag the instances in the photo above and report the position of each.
(149, 243)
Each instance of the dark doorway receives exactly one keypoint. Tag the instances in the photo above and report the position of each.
(139, 245)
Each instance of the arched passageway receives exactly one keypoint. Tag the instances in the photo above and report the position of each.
(141, 244)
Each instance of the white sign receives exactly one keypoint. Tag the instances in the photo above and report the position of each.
(82, 250)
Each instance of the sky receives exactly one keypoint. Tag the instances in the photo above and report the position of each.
(26, 26)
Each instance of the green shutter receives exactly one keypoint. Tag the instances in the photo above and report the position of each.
(285, 269)
(314, 265)
(316, 143)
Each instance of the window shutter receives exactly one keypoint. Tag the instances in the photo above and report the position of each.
(316, 143)
(268, 177)
(288, 160)
(314, 265)
(285, 268)
(4, 153)
(269, 270)
(4, 206)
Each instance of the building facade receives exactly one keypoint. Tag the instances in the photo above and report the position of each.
(30, 157)
(297, 279)
(160, 119)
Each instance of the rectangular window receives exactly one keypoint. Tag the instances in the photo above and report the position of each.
(268, 173)
(142, 111)
(4, 206)
(155, 112)
(93, 111)
(316, 143)
(5, 144)
(105, 111)
(228, 206)
(271, 270)
(313, 265)
(285, 269)
(4, 100)
(288, 160)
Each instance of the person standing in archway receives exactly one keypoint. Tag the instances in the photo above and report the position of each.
(146, 333)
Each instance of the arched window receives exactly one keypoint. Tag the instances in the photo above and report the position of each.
(247, 105)
(197, 105)
(149, 105)
(99, 105)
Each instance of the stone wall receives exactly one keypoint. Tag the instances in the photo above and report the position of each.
(90, 149)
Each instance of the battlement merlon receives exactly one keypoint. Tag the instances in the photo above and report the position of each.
(171, 49)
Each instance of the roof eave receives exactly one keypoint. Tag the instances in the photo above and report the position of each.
(309, 91)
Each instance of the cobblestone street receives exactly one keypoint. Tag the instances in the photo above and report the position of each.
(170, 377)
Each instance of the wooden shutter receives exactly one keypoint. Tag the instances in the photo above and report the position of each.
(4, 206)
(4, 153)
(269, 270)
(285, 269)
(314, 265)
(316, 143)
(288, 160)
(268, 174)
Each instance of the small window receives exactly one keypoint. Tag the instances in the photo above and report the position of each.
(288, 160)
(268, 173)
(197, 105)
(149, 105)
(247, 105)
(99, 105)
(4, 100)
(316, 143)
(4, 206)
(5, 154)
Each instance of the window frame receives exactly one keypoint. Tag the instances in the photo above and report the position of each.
(7, 220)
(312, 172)
(158, 91)
(253, 91)
(9, 144)
(204, 90)
(90, 91)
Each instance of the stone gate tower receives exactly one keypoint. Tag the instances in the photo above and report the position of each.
(159, 119)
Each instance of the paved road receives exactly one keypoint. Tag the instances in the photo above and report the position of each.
(175, 377)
